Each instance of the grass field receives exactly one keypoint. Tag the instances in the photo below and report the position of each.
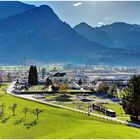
(57, 123)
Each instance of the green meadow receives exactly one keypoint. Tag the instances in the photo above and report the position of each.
(56, 123)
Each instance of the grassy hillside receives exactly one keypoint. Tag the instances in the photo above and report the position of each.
(57, 123)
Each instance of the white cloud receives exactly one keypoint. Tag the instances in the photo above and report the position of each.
(77, 4)
(100, 23)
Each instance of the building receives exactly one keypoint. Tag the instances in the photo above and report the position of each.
(60, 77)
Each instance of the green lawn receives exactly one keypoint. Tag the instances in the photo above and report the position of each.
(57, 123)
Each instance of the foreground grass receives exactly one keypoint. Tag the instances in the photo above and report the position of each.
(57, 123)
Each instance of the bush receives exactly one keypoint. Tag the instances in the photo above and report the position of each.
(102, 87)
(54, 88)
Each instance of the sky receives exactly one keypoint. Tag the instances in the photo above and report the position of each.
(94, 13)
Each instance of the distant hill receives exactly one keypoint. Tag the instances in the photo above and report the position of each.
(116, 35)
(93, 34)
(38, 34)
(8, 8)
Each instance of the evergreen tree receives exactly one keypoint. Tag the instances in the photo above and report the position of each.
(80, 82)
(55, 88)
(43, 72)
(36, 75)
(131, 98)
(33, 76)
(48, 82)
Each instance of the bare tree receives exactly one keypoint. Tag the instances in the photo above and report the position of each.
(25, 110)
(5, 90)
(63, 88)
(2, 108)
(37, 112)
(13, 108)
(9, 77)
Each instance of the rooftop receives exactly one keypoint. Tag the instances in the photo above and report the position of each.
(59, 74)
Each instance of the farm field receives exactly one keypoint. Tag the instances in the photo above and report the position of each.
(56, 123)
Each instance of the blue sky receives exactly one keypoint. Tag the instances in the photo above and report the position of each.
(95, 13)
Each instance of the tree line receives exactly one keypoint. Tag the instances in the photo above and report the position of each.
(25, 110)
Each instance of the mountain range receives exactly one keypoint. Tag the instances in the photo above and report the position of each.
(8, 8)
(116, 35)
(37, 33)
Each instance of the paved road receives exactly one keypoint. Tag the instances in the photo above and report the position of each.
(10, 90)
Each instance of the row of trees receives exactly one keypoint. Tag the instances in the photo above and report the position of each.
(26, 110)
